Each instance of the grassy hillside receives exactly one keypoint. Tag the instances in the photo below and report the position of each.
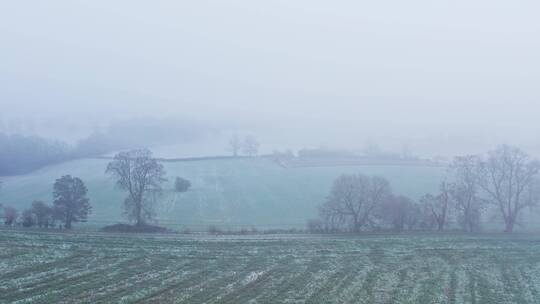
(224, 192)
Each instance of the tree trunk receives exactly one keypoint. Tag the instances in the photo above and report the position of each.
(356, 224)
(139, 216)
(509, 226)
(69, 219)
(440, 225)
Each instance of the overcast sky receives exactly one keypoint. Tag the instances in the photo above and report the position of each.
(328, 72)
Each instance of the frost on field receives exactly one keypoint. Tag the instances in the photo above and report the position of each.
(49, 268)
(252, 276)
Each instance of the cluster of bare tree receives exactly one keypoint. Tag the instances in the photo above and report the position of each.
(249, 146)
(70, 206)
(135, 171)
(502, 183)
(354, 202)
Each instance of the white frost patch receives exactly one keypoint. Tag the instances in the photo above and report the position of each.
(252, 276)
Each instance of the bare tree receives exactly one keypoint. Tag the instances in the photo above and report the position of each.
(70, 202)
(250, 146)
(315, 226)
(234, 145)
(464, 191)
(437, 207)
(141, 175)
(10, 216)
(43, 214)
(414, 217)
(28, 219)
(508, 176)
(354, 198)
(332, 221)
(372, 149)
(399, 212)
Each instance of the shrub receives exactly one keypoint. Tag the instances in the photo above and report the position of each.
(28, 219)
(182, 184)
(214, 230)
(141, 228)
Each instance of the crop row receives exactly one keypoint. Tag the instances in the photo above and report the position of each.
(47, 268)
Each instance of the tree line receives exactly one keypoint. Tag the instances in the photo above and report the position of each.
(503, 183)
(21, 154)
(70, 205)
(249, 146)
(136, 172)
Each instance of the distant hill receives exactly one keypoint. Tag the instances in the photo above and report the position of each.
(225, 192)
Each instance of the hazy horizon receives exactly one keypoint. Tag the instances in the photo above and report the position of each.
(449, 77)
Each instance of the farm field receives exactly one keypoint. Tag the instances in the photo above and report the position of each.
(232, 193)
(97, 268)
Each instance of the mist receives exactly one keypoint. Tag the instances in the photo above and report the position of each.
(445, 77)
(279, 151)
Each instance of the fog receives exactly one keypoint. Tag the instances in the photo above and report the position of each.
(441, 77)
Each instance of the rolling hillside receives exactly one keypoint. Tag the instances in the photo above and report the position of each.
(228, 193)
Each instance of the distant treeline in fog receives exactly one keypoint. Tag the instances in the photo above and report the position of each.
(21, 154)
